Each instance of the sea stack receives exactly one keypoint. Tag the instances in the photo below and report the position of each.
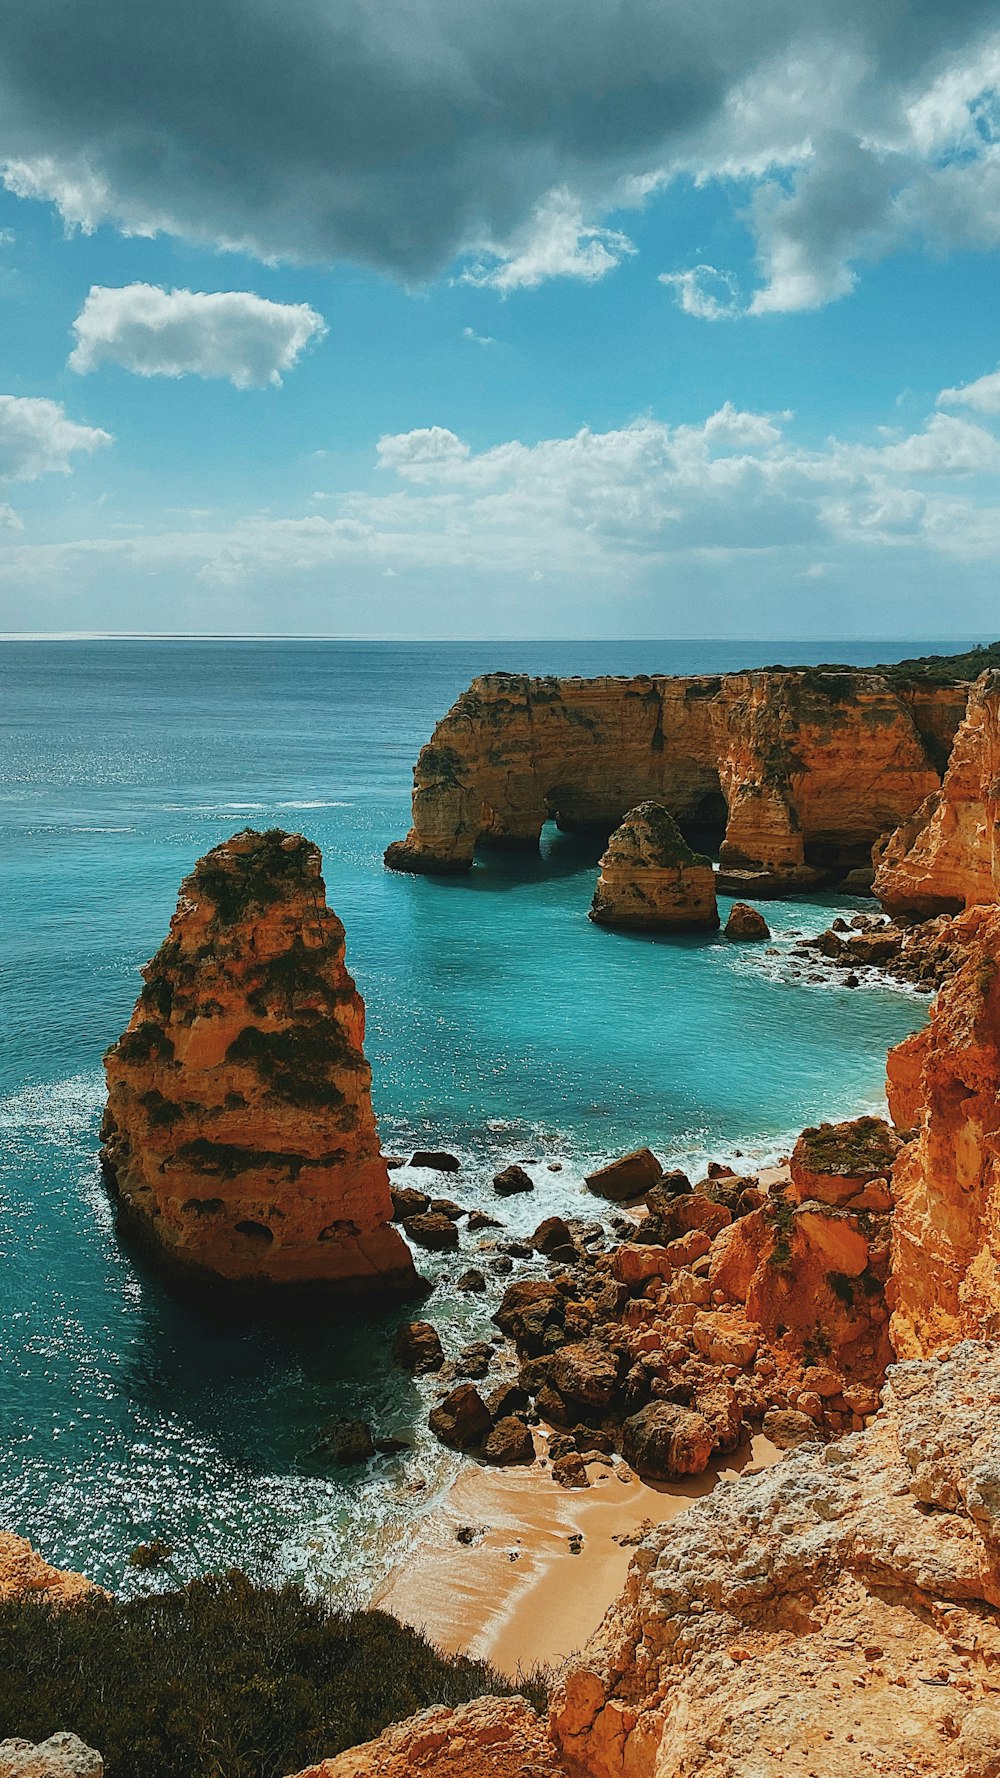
(239, 1137)
(650, 879)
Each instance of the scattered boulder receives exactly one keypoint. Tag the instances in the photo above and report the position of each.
(407, 1201)
(570, 1471)
(629, 1177)
(472, 1280)
(474, 1360)
(432, 1230)
(417, 1348)
(446, 1207)
(509, 1442)
(461, 1419)
(478, 1219)
(61, 1756)
(663, 1442)
(551, 1235)
(650, 879)
(437, 1159)
(512, 1179)
(347, 1441)
(507, 1399)
(586, 1372)
(745, 922)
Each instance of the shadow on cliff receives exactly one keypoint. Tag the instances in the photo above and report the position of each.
(497, 870)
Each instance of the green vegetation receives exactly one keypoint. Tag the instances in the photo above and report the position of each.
(783, 1217)
(223, 1679)
(296, 1064)
(143, 1044)
(161, 1112)
(440, 762)
(297, 975)
(924, 669)
(226, 1160)
(864, 1146)
(241, 883)
(842, 1287)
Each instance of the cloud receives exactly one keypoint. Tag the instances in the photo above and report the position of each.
(479, 339)
(983, 394)
(176, 333)
(555, 243)
(36, 439)
(706, 293)
(512, 137)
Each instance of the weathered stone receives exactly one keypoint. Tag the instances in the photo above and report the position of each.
(347, 1441)
(471, 1281)
(61, 1756)
(570, 1471)
(512, 1180)
(664, 1441)
(407, 1201)
(745, 922)
(586, 1373)
(629, 1177)
(462, 1419)
(650, 879)
(551, 1235)
(239, 1139)
(417, 1348)
(432, 1230)
(833, 1162)
(509, 1442)
(438, 1160)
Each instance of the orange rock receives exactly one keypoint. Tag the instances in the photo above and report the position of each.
(834, 1162)
(635, 1263)
(490, 1738)
(651, 880)
(26, 1574)
(239, 1135)
(946, 1230)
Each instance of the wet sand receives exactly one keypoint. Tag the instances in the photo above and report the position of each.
(518, 1595)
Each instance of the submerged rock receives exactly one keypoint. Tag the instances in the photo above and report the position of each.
(239, 1139)
(651, 880)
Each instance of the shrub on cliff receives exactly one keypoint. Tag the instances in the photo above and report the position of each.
(223, 1679)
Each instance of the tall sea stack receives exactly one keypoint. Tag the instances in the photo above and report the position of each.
(239, 1138)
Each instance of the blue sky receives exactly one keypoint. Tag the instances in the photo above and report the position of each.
(675, 332)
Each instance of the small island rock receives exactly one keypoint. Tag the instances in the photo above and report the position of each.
(651, 880)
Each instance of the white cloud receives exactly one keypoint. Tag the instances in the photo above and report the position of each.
(554, 243)
(706, 293)
(175, 333)
(421, 455)
(479, 339)
(983, 394)
(36, 438)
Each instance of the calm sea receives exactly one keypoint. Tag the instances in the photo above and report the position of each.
(501, 1024)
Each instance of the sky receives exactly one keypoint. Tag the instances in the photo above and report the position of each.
(624, 318)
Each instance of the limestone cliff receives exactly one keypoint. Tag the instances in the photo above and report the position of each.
(796, 772)
(239, 1136)
(651, 880)
(489, 1738)
(946, 857)
(24, 1574)
(946, 1080)
(835, 1614)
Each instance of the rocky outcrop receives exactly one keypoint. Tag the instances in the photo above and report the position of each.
(945, 1080)
(490, 1738)
(837, 1613)
(650, 879)
(61, 1756)
(796, 772)
(24, 1574)
(239, 1139)
(946, 856)
(746, 923)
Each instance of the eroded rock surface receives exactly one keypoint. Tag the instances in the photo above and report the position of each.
(650, 878)
(946, 856)
(239, 1136)
(945, 1081)
(61, 1756)
(797, 772)
(832, 1616)
(490, 1738)
(26, 1574)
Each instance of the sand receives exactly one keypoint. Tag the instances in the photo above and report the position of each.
(518, 1596)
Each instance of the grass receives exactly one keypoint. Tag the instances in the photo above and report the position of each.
(223, 1679)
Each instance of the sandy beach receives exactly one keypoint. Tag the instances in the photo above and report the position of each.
(525, 1593)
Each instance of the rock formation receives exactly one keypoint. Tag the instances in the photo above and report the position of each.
(945, 1081)
(490, 1738)
(61, 1756)
(796, 772)
(26, 1574)
(946, 856)
(834, 1615)
(240, 1142)
(746, 923)
(650, 879)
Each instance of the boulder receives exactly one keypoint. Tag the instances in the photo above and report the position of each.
(663, 1442)
(474, 1360)
(650, 879)
(473, 1280)
(630, 1177)
(833, 1162)
(461, 1419)
(437, 1159)
(347, 1441)
(511, 1180)
(634, 1263)
(586, 1372)
(509, 1442)
(745, 922)
(507, 1399)
(551, 1235)
(431, 1229)
(407, 1201)
(61, 1756)
(417, 1348)
(570, 1471)
(786, 1428)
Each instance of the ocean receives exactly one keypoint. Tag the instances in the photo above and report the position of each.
(501, 1024)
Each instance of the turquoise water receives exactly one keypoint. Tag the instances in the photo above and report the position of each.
(501, 1024)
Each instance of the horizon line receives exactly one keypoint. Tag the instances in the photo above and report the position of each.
(437, 641)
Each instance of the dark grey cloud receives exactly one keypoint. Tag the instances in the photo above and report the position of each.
(403, 133)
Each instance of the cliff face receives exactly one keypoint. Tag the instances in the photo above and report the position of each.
(239, 1135)
(946, 857)
(799, 771)
(24, 1574)
(651, 880)
(946, 1080)
(841, 1606)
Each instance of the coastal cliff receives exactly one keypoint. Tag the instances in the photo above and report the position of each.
(795, 772)
(946, 856)
(239, 1138)
(945, 1080)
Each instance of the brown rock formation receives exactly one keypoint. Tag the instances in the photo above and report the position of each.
(490, 1738)
(834, 1162)
(61, 1756)
(945, 1080)
(239, 1136)
(26, 1574)
(650, 879)
(946, 856)
(802, 770)
(816, 1619)
(745, 922)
